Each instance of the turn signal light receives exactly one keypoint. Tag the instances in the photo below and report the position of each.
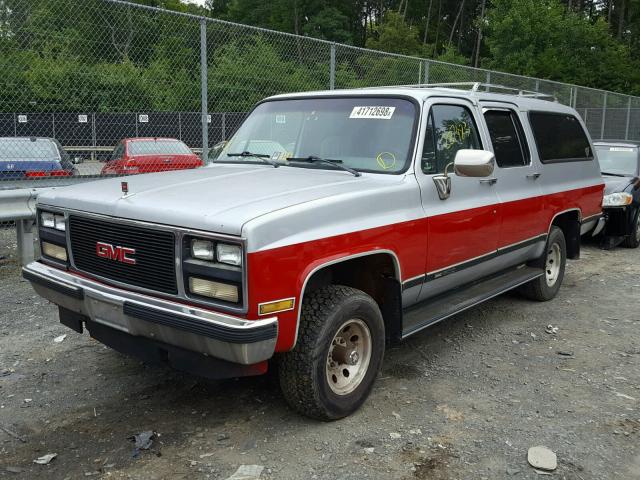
(277, 306)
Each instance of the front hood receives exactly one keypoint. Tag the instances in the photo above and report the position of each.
(613, 184)
(218, 198)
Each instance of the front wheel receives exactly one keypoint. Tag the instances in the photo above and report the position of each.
(633, 240)
(553, 262)
(331, 371)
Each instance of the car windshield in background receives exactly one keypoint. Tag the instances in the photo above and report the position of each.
(158, 147)
(363, 133)
(618, 160)
(27, 149)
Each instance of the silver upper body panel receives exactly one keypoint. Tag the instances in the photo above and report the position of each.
(272, 207)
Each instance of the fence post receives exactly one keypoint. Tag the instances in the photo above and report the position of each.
(332, 67)
(488, 81)
(426, 71)
(203, 91)
(604, 115)
(224, 126)
(626, 131)
(94, 137)
(419, 73)
(537, 85)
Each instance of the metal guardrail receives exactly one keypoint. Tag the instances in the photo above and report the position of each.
(40, 183)
(19, 205)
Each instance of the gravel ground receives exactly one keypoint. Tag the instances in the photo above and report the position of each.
(462, 400)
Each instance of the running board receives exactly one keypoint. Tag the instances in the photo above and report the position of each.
(444, 306)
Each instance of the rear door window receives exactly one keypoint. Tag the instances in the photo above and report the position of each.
(449, 128)
(507, 137)
(559, 137)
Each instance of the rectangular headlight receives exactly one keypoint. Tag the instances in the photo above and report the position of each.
(54, 251)
(208, 288)
(47, 219)
(53, 220)
(618, 199)
(59, 222)
(229, 254)
(202, 249)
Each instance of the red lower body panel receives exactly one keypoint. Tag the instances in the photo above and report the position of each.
(455, 237)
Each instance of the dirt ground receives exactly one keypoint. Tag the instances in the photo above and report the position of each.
(462, 400)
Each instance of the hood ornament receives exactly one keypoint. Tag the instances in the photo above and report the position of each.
(125, 187)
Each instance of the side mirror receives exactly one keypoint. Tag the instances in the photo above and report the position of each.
(216, 150)
(474, 163)
(467, 163)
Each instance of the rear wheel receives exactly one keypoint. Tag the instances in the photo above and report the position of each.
(332, 368)
(553, 261)
(633, 240)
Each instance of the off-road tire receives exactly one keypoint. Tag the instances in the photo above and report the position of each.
(539, 289)
(303, 371)
(633, 239)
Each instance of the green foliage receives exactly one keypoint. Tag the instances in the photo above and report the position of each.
(394, 35)
(540, 38)
(245, 71)
(67, 55)
(451, 55)
(329, 24)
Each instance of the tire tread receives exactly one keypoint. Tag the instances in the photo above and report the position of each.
(296, 367)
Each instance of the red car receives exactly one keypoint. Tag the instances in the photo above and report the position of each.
(146, 155)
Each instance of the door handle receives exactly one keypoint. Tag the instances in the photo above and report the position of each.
(534, 176)
(489, 181)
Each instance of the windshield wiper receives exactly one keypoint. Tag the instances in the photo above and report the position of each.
(613, 174)
(328, 161)
(260, 156)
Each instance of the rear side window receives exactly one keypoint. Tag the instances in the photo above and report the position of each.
(559, 137)
(507, 137)
(449, 129)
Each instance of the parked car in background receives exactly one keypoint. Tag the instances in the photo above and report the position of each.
(366, 216)
(32, 157)
(620, 167)
(146, 155)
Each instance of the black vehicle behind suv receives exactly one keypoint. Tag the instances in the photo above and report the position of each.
(620, 166)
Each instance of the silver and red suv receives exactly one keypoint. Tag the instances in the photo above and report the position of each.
(331, 223)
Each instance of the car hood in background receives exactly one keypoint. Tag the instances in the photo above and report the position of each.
(219, 198)
(613, 184)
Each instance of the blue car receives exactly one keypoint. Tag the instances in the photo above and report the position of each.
(31, 157)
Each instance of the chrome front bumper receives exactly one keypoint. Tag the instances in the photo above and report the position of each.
(214, 334)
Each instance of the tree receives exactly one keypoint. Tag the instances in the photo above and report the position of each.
(539, 38)
(394, 35)
(329, 24)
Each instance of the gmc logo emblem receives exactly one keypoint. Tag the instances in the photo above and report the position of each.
(116, 253)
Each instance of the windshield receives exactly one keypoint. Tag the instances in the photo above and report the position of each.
(618, 160)
(363, 133)
(37, 149)
(158, 147)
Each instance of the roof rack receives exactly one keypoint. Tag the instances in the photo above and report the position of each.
(476, 86)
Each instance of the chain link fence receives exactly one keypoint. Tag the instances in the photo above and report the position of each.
(106, 87)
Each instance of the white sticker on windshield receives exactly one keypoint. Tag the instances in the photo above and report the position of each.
(380, 113)
(620, 149)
